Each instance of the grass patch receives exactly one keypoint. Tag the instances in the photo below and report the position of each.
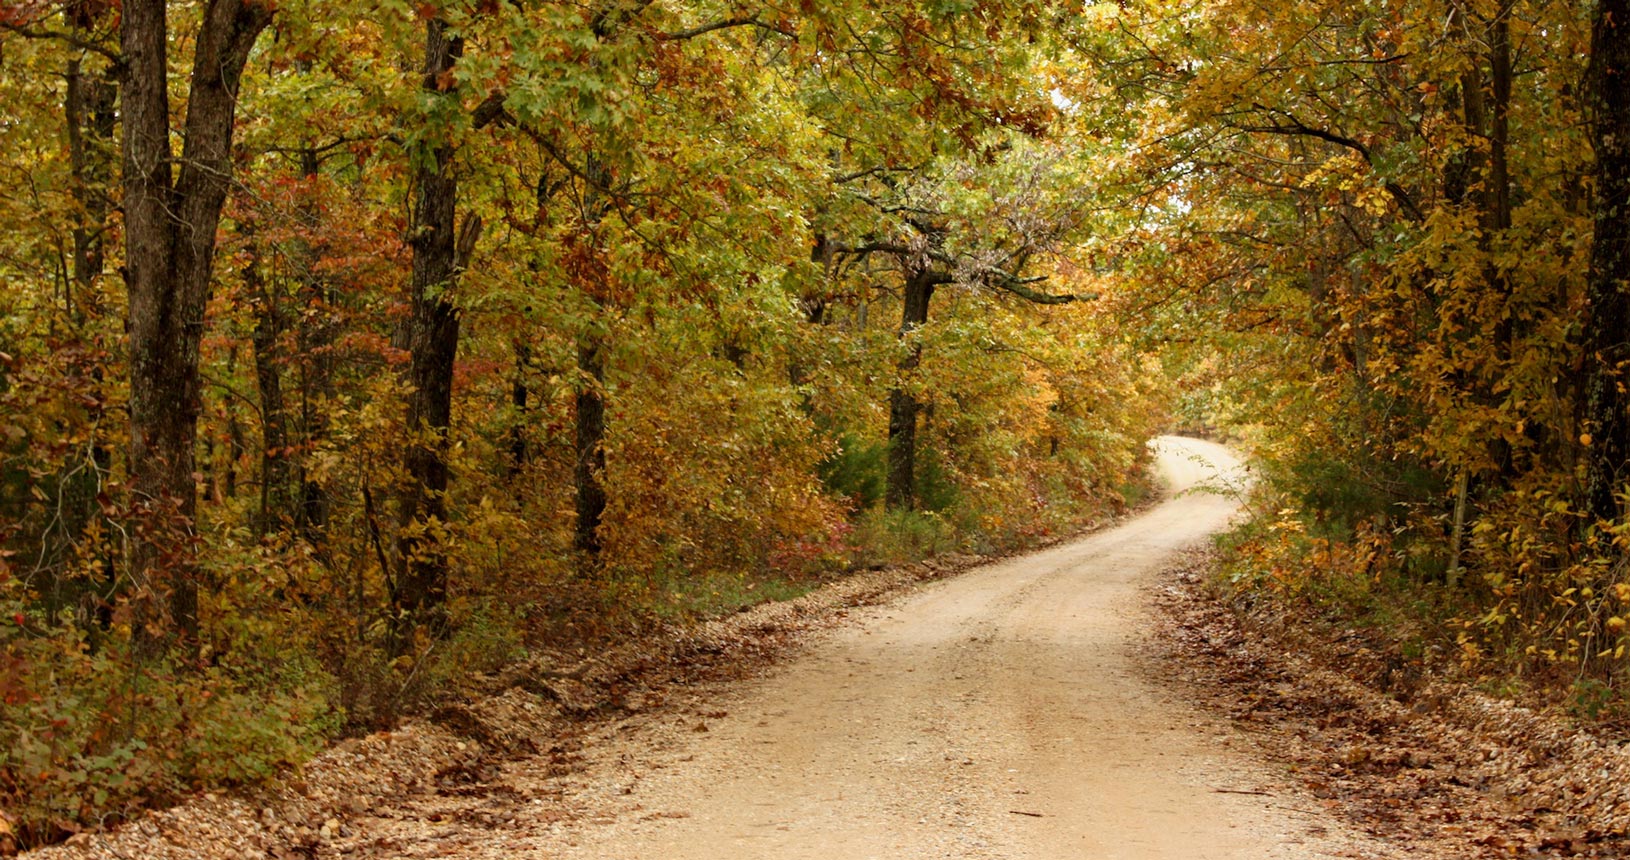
(687, 597)
(884, 537)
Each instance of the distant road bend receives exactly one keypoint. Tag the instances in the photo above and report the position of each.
(1004, 713)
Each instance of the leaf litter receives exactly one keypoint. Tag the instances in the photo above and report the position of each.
(1428, 764)
(420, 790)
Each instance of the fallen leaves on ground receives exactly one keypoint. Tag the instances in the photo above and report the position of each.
(450, 770)
(1433, 766)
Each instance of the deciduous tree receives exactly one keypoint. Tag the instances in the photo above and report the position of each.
(171, 208)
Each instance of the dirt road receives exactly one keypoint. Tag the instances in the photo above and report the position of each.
(1005, 713)
(1015, 710)
(1008, 712)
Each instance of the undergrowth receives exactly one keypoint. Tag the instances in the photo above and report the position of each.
(94, 730)
(1518, 619)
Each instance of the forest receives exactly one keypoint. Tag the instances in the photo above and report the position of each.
(349, 349)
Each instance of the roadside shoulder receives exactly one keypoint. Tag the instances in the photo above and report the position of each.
(1433, 767)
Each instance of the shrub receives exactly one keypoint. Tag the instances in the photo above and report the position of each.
(93, 729)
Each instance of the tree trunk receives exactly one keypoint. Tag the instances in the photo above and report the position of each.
(266, 340)
(901, 491)
(1481, 177)
(519, 394)
(1608, 291)
(439, 252)
(1466, 167)
(591, 452)
(813, 304)
(592, 279)
(89, 106)
(235, 446)
(315, 337)
(1497, 208)
(1497, 215)
(170, 248)
(89, 111)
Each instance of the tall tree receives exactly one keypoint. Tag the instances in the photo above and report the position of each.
(89, 105)
(1607, 336)
(901, 483)
(89, 100)
(441, 249)
(948, 233)
(171, 211)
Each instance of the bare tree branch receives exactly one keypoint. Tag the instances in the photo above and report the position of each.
(491, 110)
(740, 21)
(1019, 287)
(62, 36)
(615, 14)
(1295, 127)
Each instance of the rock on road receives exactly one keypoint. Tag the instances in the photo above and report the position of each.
(1004, 713)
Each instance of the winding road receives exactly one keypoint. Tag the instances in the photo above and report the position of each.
(1004, 713)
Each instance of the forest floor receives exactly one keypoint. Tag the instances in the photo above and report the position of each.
(1093, 699)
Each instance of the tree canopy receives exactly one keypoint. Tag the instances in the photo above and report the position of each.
(349, 348)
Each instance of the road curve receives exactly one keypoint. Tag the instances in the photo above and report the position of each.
(1005, 713)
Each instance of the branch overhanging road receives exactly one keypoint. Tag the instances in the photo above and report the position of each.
(1003, 713)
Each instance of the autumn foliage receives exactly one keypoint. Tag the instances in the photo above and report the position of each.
(523, 323)
(1398, 222)
(489, 325)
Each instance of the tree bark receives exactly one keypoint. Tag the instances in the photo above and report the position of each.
(901, 489)
(1481, 178)
(89, 110)
(1464, 169)
(591, 277)
(519, 394)
(1497, 215)
(813, 304)
(267, 342)
(89, 105)
(315, 338)
(1608, 292)
(170, 221)
(1497, 207)
(591, 453)
(440, 251)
